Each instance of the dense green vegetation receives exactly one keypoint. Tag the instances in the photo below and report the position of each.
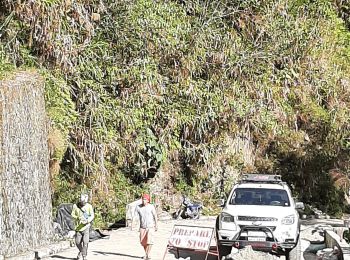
(149, 90)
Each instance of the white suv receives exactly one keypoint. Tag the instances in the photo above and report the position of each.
(260, 211)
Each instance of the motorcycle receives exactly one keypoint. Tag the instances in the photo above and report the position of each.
(188, 209)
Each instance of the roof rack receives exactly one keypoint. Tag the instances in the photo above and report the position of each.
(261, 178)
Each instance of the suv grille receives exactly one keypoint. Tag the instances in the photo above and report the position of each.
(246, 226)
(251, 218)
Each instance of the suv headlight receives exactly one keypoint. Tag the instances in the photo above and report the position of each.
(227, 217)
(288, 220)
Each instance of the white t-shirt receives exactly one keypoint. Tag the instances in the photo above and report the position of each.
(147, 215)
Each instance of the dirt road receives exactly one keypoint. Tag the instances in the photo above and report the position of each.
(123, 244)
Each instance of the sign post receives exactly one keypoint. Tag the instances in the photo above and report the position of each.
(192, 238)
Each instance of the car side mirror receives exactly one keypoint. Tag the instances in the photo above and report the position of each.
(221, 202)
(299, 205)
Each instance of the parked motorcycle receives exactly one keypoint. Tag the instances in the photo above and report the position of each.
(188, 209)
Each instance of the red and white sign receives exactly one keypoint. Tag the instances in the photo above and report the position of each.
(190, 237)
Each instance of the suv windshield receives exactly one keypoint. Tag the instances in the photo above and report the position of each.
(259, 196)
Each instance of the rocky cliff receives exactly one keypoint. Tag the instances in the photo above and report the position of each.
(25, 199)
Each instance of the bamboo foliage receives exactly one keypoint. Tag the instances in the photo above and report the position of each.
(145, 83)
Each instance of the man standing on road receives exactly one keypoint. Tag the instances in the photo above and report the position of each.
(83, 214)
(148, 224)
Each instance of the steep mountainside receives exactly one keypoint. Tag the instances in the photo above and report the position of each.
(182, 95)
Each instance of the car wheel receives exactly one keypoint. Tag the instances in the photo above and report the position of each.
(224, 251)
(295, 253)
(178, 214)
(196, 216)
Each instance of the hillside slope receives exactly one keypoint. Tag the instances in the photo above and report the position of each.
(183, 95)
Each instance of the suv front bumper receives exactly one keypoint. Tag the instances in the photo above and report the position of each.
(269, 244)
(266, 246)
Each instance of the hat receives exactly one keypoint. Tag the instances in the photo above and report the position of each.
(147, 197)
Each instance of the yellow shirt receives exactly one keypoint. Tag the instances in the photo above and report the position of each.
(82, 216)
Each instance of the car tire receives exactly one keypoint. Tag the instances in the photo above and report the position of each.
(295, 253)
(223, 250)
(196, 216)
(178, 214)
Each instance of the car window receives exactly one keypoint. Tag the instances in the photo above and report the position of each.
(260, 196)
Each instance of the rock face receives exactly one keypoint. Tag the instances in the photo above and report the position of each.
(25, 198)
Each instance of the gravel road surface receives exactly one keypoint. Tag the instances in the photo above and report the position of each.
(123, 244)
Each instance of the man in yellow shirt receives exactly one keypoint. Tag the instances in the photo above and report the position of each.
(83, 214)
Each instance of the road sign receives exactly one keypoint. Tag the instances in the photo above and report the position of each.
(193, 238)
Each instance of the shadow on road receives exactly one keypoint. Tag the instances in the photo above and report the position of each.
(193, 255)
(119, 224)
(63, 257)
(112, 253)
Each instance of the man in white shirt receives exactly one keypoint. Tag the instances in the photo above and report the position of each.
(148, 224)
